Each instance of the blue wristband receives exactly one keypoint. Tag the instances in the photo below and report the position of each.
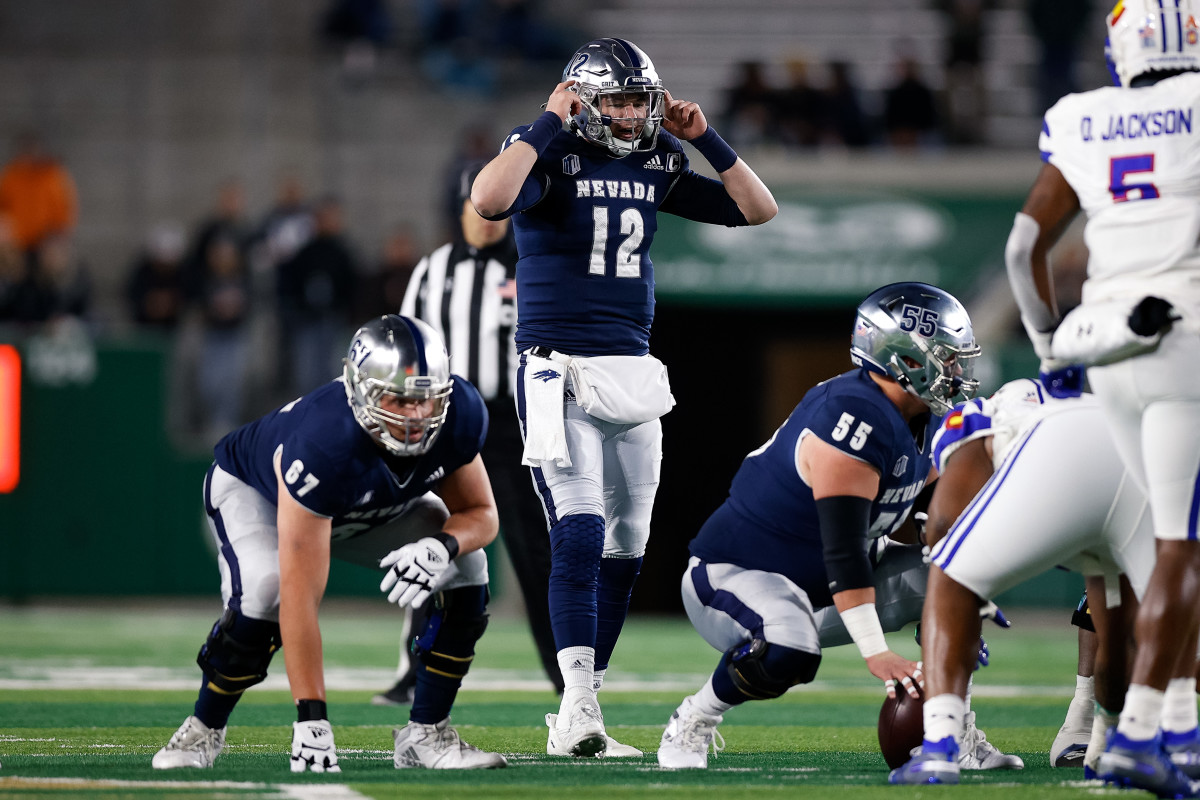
(542, 131)
(714, 148)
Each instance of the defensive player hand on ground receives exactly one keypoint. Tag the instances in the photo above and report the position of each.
(892, 669)
(414, 571)
(312, 747)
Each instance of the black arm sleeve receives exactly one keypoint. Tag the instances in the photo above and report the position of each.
(844, 523)
(701, 199)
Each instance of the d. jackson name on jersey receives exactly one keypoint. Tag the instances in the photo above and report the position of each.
(1137, 125)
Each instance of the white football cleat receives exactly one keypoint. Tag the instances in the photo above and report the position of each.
(976, 752)
(583, 735)
(689, 734)
(193, 745)
(438, 746)
(613, 749)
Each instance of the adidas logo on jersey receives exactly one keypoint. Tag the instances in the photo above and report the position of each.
(654, 163)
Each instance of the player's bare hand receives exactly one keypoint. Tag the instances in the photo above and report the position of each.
(563, 101)
(894, 669)
(683, 118)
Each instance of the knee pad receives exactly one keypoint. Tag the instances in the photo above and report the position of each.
(762, 670)
(577, 545)
(238, 652)
(447, 647)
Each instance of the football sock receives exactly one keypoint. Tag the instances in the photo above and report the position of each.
(577, 665)
(944, 717)
(598, 679)
(1142, 712)
(707, 702)
(1179, 706)
(723, 686)
(214, 707)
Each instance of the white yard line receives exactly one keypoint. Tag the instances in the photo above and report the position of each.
(16, 674)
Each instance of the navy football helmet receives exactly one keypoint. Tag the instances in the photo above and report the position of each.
(921, 337)
(614, 75)
(403, 358)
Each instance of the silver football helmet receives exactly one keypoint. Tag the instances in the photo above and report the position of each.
(614, 75)
(921, 337)
(402, 358)
(1152, 35)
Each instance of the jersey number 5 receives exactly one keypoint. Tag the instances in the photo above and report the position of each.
(1119, 168)
(629, 261)
(844, 423)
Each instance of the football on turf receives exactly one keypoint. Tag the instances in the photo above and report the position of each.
(901, 726)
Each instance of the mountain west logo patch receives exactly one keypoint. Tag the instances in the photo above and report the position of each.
(571, 164)
(901, 465)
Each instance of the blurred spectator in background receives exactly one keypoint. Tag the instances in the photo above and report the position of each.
(476, 143)
(520, 28)
(910, 117)
(361, 28)
(225, 307)
(799, 108)
(452, 51)
(382, 292)
(745, 121)
(316, 298)
(37, 194)
(56, 284)
(12, 270)
(155, 287)
(1058, 26)
(283, 231)
(845, 122)
(966, 90)
(227, 220)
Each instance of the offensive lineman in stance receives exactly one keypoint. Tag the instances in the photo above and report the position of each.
(379, 468)
(1034, 482)
(1129, 155)
(584, 203)
(795, 533)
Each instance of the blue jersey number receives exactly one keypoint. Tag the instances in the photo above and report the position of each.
(628, 260)
(1119, 168)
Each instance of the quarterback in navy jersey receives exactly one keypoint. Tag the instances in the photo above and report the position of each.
(807, 523)
(584, 200)
(379, 468)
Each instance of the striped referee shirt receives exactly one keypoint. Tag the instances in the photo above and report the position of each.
(470, 297)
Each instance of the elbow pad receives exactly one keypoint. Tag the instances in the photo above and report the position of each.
(844, 524)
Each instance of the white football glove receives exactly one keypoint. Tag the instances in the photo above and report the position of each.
(312, 747)
(414, 571)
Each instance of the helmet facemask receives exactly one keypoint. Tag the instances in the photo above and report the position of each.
(404, 359)
(625, 120)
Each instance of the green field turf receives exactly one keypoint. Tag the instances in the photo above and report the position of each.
(74, 722)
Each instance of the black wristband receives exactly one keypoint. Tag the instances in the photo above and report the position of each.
(449, 541)
(308, 710)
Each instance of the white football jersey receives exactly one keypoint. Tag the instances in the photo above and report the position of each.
(1005, 416)
(1133, 158)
